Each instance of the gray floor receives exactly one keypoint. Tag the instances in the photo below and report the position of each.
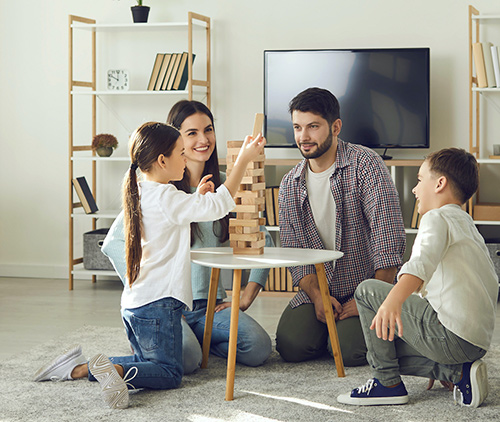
(34, 311)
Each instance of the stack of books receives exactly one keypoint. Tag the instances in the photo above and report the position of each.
(170, 72)
(280, 280)
(415, 217)
(486, 62)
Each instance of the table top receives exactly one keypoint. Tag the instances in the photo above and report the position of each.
(272, 258)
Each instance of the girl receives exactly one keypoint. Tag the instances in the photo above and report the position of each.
(157, 218)
(196, 124)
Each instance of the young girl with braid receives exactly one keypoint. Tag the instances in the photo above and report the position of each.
(157, 230)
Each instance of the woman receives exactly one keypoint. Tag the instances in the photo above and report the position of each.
(196, 125)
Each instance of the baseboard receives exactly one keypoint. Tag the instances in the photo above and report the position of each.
(33, 271)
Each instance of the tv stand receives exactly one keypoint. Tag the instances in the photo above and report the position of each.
(385, 156)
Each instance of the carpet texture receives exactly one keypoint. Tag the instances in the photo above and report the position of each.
(276, 391)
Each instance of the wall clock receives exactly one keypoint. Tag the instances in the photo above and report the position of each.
(118, 80)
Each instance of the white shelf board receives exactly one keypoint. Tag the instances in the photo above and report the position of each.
(488, 161)
(486, 223)
(475, 89)
(78, 270)
(79, 212)
(273, 228)
(133, 26)
(97, 158)
(145, 92)
(484, 17)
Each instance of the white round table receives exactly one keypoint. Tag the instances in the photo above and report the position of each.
(223, 258)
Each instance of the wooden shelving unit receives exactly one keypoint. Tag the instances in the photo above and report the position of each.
(79, 89)
(483, 213)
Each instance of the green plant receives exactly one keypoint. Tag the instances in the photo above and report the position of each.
(104, 140)
(139, 2)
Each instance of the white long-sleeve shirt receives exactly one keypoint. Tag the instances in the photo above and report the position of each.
(460, 282)
(165, 265)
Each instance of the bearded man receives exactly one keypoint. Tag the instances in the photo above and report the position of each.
(339, 197)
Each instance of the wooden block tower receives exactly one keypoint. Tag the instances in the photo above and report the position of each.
(245, 236)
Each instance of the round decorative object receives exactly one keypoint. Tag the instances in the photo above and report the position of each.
(140, 14)
(104, 151)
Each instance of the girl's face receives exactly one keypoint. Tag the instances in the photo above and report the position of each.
(176, 163)
(198, 134)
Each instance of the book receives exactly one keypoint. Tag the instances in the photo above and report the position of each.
(180, 70)
(155, 71)
(276, 192)
(174, 72)
(488, 65)
(496, 64)
(163, 71)
(414, 215)
(168, 74)
(185, 74)
(477, 52)
(269, 206)
(84, 193)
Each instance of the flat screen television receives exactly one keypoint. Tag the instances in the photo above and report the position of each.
(383, 93)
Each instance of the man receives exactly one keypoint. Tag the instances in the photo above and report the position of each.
(339, 197)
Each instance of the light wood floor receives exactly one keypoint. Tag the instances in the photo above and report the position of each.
(34, 311)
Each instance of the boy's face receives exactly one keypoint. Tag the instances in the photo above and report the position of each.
(425, 190)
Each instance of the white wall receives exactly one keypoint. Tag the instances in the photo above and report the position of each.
(34, 80)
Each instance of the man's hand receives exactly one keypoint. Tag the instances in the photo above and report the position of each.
(320, 309)
(349, 309)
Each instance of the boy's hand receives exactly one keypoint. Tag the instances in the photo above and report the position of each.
(386, 319)
(205, 185)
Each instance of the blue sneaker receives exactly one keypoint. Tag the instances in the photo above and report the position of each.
(374, 393)
(472, 389)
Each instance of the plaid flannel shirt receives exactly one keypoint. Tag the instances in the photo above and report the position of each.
(369, 224)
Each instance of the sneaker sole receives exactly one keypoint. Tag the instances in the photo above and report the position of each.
(372, 401)
(69, 354)
(479, 383)
(114, 391)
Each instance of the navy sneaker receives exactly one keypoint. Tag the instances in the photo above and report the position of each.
(472, 389)
(374, 393)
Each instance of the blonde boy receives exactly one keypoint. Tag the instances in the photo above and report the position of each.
(444, 302)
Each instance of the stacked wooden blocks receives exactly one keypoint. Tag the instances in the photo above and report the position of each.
(245, 236)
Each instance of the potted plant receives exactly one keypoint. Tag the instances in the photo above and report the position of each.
(139, 12)
(104, 144)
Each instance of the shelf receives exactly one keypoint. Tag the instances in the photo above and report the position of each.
(79, 270)
(97, 158)
(79, 212)
(484, 17)
(102, 93)
(475, 89)
(488, 161)
(132, 26)
(294, 161)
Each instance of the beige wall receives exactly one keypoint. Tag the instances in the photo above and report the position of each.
(33, 89)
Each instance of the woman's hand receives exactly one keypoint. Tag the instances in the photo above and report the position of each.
(205, 185)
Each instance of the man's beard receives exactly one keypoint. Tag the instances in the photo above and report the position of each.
(324, 147)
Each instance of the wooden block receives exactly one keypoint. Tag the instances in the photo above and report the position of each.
(253, 186)
(246, 237)
(252, 201)
(248, 216)
(246, 180)
(234, 144)
(247, 223)
(248, 208)
(254, 172)
(248, 251)
(258, 124)
(249, 194)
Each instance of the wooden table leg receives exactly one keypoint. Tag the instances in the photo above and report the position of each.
(209, 317)
(330, 320)
(233, 334)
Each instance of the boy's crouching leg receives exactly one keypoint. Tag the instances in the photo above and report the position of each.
(371, 293)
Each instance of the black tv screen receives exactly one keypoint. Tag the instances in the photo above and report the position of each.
(383, 93)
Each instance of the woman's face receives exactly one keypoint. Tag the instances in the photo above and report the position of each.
(198, 134)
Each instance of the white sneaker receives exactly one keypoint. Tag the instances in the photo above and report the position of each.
(114, 391)
(61, 367)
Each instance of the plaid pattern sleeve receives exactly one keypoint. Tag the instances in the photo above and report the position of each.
(369, 224)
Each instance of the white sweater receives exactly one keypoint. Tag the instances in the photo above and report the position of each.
(460, 282)
(165, 265)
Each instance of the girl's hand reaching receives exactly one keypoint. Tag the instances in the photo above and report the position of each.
(251, 148)
(205, 185)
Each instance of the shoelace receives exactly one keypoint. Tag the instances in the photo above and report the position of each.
(367, 387)
(461, 397)
(126, 378)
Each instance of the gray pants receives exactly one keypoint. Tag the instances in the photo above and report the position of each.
(427, 349)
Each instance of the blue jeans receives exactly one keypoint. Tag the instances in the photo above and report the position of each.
(155, 334)
(426, 349)
(253, 344)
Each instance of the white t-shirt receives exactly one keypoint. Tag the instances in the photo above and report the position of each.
(165, 265)
(323, 205)
(460, 282)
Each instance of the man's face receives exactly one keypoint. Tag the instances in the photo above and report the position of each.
(313, 135)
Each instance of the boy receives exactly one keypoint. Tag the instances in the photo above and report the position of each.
(442, 332)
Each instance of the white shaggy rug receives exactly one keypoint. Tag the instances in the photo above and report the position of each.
(276, 391)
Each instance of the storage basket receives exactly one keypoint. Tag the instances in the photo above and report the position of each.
(93, 258)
